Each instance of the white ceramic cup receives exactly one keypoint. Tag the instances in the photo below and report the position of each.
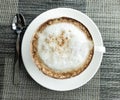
(71, 83)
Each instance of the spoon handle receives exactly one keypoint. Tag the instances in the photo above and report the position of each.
(17, 64)
(16, 73)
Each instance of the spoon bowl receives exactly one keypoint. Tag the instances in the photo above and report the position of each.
(18, 23)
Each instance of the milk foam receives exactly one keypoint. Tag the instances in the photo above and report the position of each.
(71, 54)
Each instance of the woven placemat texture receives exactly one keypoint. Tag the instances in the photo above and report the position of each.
(106, 83)
(106, 14)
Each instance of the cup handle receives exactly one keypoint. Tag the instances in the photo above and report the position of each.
(100, 49)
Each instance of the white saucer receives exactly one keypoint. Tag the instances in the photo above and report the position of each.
(65, 84)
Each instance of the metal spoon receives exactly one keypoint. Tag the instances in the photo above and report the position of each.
(18, 25)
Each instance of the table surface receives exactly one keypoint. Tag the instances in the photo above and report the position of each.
(105, 85)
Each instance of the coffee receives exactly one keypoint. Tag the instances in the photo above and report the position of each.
(62, 47)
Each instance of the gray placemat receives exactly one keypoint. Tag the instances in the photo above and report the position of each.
(106, 83)
(106, 14)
